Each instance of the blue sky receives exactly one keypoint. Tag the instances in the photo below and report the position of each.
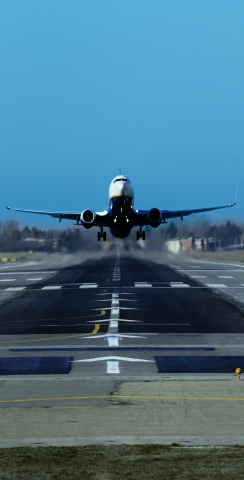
(88, 86)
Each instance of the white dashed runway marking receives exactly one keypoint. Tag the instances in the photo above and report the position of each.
(224, 276)
(178, 284)
(32, 279)
(15, 289)
(51, 287)
(198, 276)
(8, 280)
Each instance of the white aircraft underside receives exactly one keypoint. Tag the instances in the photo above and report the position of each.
(121, 216)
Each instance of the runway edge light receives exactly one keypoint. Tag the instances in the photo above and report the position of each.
(238, 373)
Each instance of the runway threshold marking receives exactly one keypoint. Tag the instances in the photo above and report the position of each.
(121, 396)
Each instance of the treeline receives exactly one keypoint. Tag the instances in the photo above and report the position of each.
(225, 233)
(13, 239)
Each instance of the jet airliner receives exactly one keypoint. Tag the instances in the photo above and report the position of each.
(121, 215)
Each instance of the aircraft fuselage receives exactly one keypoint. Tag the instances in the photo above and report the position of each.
(121, 204)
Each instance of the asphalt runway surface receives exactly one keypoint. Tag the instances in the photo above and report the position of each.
(110, 342)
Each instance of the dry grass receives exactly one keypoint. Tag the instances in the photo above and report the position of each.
(123, 462)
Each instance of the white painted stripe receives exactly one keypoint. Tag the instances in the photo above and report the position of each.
(198, 276)
(89, 286)
(52, 287)
(115, 303)
(113, 323)
(23, 273)
(121, 320)
(8, 280)
(14, 289)
(213, 270)
(184, 285)
(175, 283)
(113, 341)
(112, 308)
(216, 285)
(143, 285)
(114, 311)
(32, 279)
(113, 367)
(113, 357)
(115, 295)
(222, 276)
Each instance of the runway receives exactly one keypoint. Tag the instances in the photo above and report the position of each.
(121, 333)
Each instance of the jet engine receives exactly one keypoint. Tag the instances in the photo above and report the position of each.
(154, 217)
(88, 218)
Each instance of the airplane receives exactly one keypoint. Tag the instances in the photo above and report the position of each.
(121, 216)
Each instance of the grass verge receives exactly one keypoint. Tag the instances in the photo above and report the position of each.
(124, 462)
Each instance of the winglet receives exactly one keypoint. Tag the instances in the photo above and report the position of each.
(236, 198)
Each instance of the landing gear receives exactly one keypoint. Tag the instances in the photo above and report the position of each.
(140, 234)
(101, 235)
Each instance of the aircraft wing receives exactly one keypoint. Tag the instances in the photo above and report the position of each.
(100, 220)
(141, 216)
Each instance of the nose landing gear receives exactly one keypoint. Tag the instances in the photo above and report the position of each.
(101, 235)
(140, 234)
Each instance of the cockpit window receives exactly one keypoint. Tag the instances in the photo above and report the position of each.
(120, 180)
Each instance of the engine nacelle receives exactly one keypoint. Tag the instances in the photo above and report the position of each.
(88, 218)
(154, 217)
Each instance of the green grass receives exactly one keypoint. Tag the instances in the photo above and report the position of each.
(124, 462)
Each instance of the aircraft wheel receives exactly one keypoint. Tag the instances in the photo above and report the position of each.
(143, 235)
(104, 237)
(137, 236)
(99, 236)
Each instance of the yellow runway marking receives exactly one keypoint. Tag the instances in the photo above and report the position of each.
(104, 290)
(97, 327)
(107, 280)
(118, 396)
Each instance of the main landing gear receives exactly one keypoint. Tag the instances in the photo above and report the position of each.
(140, 234)
(101, 235)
